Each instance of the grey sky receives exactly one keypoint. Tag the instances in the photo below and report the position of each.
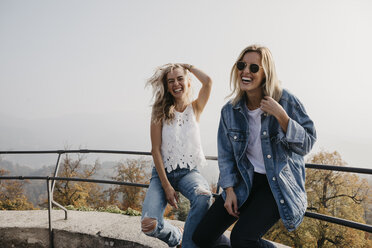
(73, 72)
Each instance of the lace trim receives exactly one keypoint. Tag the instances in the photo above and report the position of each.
(181, 146)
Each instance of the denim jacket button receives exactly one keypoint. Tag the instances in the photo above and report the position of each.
(274, 178)
(269, 156)
(264, 133)
(282, 201)
(235, 137)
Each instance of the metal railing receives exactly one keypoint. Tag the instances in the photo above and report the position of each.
(50, 181)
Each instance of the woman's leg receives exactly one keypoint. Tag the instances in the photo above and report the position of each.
(209, 232)
(257, 215)
(152, 221)
(195, 188)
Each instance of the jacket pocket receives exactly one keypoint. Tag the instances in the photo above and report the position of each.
(238, 141)
(294, 193)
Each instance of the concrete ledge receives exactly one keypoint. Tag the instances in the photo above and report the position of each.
(82, 229)
(39, 238)
(24, 237)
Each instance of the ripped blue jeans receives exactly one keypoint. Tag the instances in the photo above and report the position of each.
(194, 187)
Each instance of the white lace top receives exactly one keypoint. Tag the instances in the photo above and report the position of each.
(181, 146)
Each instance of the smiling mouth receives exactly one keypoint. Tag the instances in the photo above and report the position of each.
(177, 90)
(246, 80)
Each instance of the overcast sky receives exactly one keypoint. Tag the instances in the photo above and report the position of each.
(72, 73)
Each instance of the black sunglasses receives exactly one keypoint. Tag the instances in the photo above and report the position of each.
(252, 67)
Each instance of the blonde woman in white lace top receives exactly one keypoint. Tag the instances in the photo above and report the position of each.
(177, 153)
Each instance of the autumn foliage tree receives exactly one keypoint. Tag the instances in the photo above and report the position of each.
(78, 194)
(133, 171)
(331, 193)
(12, 196)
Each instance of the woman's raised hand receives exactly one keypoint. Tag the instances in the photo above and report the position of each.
(272, 107)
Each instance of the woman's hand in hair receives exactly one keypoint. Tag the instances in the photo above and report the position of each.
(204, 91)
(231, 202)
(272, 107)
(171, 196)
(187, 66)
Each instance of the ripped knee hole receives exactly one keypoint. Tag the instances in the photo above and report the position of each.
(148, 225)
(202, 191)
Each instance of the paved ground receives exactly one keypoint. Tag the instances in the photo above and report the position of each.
(116, 226)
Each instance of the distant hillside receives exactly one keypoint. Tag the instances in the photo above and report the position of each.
(15, 169)
(36, 190)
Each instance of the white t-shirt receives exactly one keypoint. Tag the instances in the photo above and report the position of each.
(254, 149)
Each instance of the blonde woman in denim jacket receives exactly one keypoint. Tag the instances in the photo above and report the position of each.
(263, 135)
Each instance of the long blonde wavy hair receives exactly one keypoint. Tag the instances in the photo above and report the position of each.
(163, 106)
(271, 86)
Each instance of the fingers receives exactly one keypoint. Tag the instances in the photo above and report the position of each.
(268, 105)
(171, 196)
(173, 202)
(231, 203)
(232, 209)
(235, 208)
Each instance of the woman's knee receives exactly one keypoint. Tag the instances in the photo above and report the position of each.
(202, 198)
(148, 225)
(199, 239)
(239, 239)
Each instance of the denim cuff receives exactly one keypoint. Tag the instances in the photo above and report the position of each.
(295, 133)
(226, 182)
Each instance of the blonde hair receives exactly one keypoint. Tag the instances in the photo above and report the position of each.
(163, 106)
(271, 85)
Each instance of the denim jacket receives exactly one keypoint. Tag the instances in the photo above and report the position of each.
(283, 155)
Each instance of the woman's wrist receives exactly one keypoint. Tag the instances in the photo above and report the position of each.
(229, 189)
(166, 185)
(188, 66)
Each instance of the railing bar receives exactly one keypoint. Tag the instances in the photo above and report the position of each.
(115, 152)
(310, 166)
(211, 158)
(74, 179)
(101, 181)
(33, 152)
(61, 207)
(339, 168)
(343, 222)
(76, 151)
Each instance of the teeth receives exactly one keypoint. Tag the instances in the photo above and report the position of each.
(177, 90)
(246, 79)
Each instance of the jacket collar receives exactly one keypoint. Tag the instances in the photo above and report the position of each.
(241, 103)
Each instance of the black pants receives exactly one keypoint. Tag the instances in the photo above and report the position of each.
(257, 215)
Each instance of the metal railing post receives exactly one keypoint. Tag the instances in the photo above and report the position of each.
(54, 183)
(51, 243)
